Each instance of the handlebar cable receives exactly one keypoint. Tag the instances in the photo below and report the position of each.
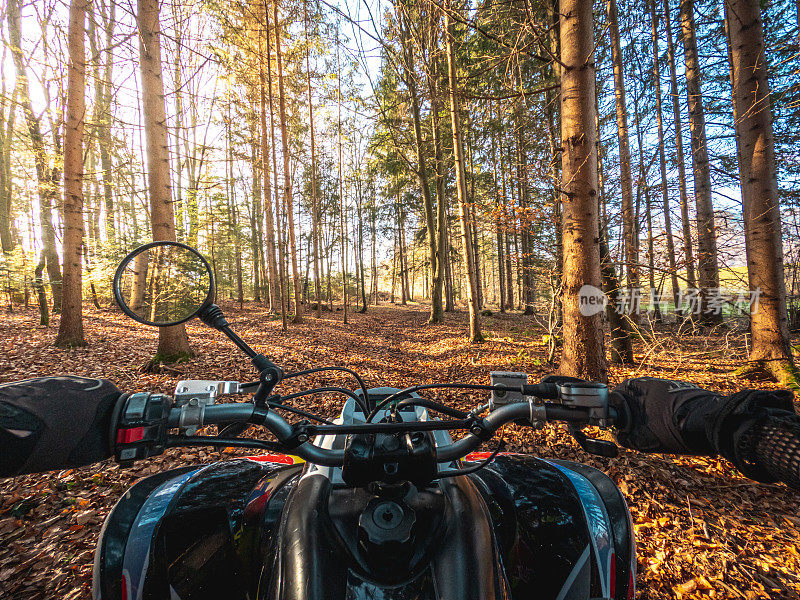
(478, 467)
(322, 390)
(416, 388)
(433, 405)
(404, 427)
(299, 411)
(361, 383)
(176, 441)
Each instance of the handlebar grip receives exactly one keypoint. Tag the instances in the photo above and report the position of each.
(217, 413)
(777, 449)
(548, 391)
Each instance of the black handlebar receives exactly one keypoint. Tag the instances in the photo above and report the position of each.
(546, 391)
(481, 429)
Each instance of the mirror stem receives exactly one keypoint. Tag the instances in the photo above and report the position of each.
(269, 373)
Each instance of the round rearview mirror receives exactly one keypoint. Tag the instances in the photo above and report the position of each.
(163, 283)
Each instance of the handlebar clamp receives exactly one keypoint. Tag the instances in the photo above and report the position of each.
(480, 430)
(300, 435)
(511, 384)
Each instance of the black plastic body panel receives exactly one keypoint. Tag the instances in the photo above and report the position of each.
(241, 529)
(110, 551)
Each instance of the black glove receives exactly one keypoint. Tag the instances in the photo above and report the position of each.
(51, 423)
(677, 417)
(663, 416)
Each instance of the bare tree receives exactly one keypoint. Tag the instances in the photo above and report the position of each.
(629, 224)
(422, 168)
(461, 185)
(770, 350)
(691, 277)
(173, 343)
(583, 353)
(707, 267)
(70, 329)
(103, 117)
(287, 180)
(7, 121)
(272, 264)
(673, 270)
(48, 175)
(314, 190)
(342, 223)
(433, 77)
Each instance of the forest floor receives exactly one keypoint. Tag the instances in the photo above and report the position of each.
(702, 529)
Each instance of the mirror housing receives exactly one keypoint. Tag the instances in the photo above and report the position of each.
(163, 284)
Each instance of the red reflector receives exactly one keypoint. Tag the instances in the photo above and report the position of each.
(127, 436)
(476, 456)
(280, 459)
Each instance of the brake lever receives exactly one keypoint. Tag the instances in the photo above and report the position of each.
(593, 446)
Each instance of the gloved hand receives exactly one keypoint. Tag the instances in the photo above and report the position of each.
(51, 423)
(677, 417)
(663, 416)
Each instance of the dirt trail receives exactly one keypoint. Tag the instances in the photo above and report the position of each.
(703, 530)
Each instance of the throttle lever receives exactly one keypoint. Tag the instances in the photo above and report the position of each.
(593, 446)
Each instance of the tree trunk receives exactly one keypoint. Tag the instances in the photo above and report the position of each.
(508, 279)
(342, 224)
(280, 285)
(233, 215)
(47, 176)
(642, 188)
(476, 248)
(770, 349)
(70, 329)
(360, 249)
(526, 298)
(708, 270)
(442, 243)
(449, 294)
(41, 295)
(401, 237)
(691, 277)
(551, 109)
(461, 185)
(473, 219)
(673, 269)
(394, 262)
(272, 264)
(256, 235)
(422, 168)
(6, 185)
(629, 222)
(583, 353)
(650, 255)
(104, 123)
(287, 181)
(621, 328)
(173, 343)
(329, 260)
(314, 191)
(498, 226)
(374, 232)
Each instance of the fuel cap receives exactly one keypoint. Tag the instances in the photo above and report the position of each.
(386, 523)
